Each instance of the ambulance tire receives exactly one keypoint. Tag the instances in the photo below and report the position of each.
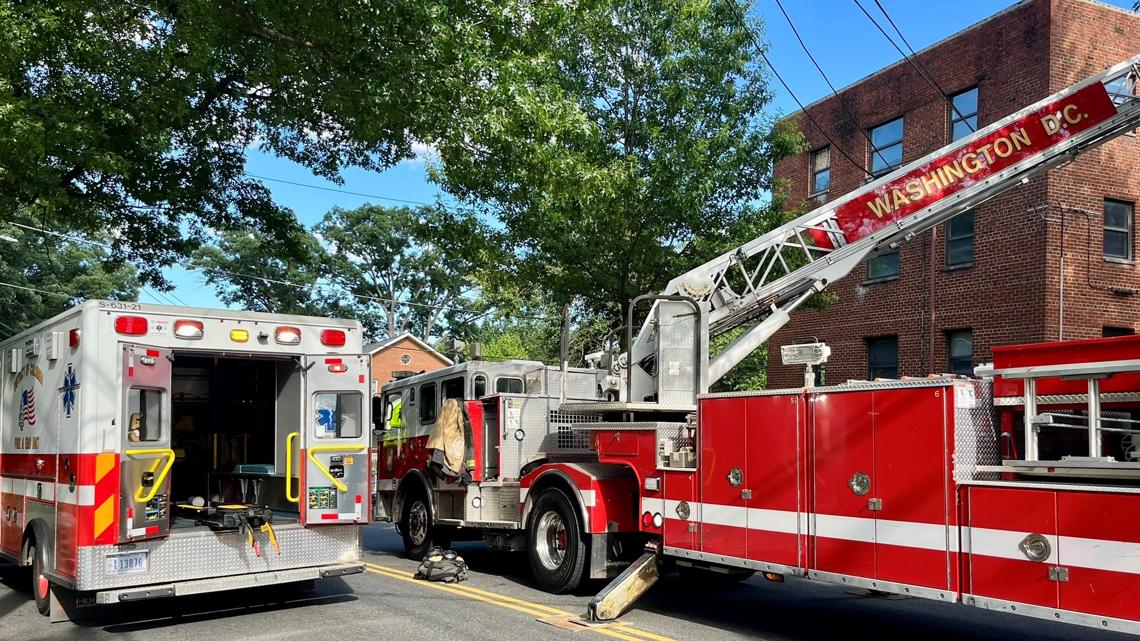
(417, 526)
(555, 543)
(41, 586)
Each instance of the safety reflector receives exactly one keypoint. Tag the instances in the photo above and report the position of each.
(239, 335)
(73, 338)
(287, 335)
(188, 329)
(130, 325)
(332, 337)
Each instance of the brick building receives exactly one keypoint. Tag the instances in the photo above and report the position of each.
(401, 356)
(1051, 259)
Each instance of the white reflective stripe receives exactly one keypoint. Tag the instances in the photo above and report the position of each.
(927, 536)
(39, 489)
(6, 485)
(588, 497)
(729, 515)
(848, 528)
(522, 494)
(653, 505)
(1003, 544)
(782, 521)
(1096, 554)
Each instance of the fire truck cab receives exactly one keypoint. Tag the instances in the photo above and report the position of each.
(151, 451)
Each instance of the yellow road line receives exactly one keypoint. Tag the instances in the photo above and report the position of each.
(527, 607)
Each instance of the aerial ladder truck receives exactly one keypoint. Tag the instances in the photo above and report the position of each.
(933, 488)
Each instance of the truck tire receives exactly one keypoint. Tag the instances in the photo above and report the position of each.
(417, 526)
(41, 586)
(555, 543)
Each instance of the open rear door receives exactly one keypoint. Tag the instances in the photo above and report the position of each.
(147, 457)
(334, 460)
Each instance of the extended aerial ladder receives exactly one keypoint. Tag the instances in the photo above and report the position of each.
(762, 281)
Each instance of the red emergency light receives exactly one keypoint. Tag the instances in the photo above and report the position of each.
(188, 329)
(287, 335)
(130, 325)
(73, 338)
(333, 337)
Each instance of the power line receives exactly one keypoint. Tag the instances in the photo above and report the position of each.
(338, 191)
(834, 91)
(33, 289)
(922, 72)
(278, 281)
(742, 19)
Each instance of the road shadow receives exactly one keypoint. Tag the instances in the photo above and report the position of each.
(161, 613)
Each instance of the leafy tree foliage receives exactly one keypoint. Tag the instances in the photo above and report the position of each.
(253, 272)
(671, 155)
(136, 116)
(65, 272)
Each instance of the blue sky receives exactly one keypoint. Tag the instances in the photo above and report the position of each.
(843, 41)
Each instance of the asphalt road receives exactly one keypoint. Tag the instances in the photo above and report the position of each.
(499, 603)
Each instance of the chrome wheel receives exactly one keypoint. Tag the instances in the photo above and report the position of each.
(551, 541)
(417, 522)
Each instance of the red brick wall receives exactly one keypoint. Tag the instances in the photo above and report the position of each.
(1010, 293)
(390, 359)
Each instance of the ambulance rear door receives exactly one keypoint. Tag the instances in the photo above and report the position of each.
(333, 451)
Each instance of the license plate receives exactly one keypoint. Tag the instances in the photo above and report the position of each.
(126, 563)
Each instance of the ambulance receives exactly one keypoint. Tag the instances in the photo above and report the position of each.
(151, 451)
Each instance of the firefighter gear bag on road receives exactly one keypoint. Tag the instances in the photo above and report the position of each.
(442, 566)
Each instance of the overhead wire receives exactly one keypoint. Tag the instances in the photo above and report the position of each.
(834, 91)
(921, 71)
(339, 191)
(278, 281)
(742, 19)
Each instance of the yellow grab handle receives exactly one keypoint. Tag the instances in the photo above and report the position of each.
(332, 448)
(169, 455)
(289, 496)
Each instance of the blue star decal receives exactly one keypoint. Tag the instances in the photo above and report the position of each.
(326, 418)
(70, 384)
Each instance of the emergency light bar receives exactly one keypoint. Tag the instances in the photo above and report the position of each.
(130, 325)
(188, 329)
(286, 335)
(333, 337)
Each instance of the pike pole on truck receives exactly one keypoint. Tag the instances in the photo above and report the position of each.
(150, 451)
(1016, 491)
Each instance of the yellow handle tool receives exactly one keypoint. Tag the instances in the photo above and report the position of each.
(289, 496)
(168, 454)
(332, 448)
(268, 529)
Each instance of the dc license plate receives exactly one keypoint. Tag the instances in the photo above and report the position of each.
(126, 563)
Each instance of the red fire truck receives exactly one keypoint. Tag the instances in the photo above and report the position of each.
(1013, 491)
(150, 451)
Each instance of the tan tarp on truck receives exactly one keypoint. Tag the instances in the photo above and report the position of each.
(447, 437)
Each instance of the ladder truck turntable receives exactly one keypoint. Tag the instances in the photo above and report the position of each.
(1015, 491)
(153, 451)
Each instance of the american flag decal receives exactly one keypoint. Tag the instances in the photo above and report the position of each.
(27, 407)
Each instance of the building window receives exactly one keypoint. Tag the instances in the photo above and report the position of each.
(960, 239)
(1108, 331)
(820, 171)
(883, 357)
(406, 358)
(886, 147)
(1117, 229)
(960, 351)
(883, 266)
(964, 115)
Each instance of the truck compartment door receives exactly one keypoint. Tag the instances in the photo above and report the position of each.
(333, 459)
(144, 423)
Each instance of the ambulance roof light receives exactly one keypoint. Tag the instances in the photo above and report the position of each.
(333, 337)
(188, 329)
(287, 335)
(130, 325)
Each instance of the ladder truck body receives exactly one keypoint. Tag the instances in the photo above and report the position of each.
(946, 488)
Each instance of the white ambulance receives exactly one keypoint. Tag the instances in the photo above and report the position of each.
(150, 451)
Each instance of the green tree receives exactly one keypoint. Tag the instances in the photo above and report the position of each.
(401, 276)
(63, 273)
(665, 170)
(254, 272)
(137, 116)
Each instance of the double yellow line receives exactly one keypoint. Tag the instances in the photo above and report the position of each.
(537, 610)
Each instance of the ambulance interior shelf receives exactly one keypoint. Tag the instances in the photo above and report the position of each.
(225, 411)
